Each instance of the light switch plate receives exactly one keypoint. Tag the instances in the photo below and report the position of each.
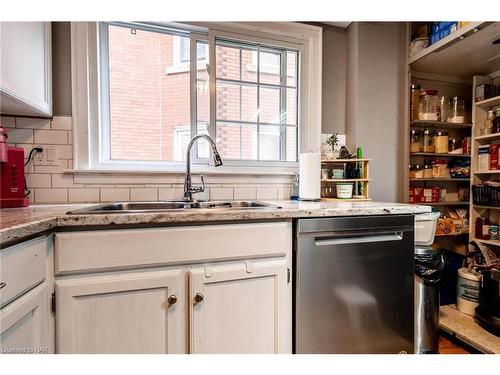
(49, 157)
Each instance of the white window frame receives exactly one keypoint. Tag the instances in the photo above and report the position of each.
(87, 95)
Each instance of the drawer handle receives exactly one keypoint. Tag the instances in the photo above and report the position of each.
(3, 285)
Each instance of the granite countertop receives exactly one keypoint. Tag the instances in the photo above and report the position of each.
(19, 223)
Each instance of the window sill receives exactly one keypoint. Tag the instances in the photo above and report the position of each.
(282, 172)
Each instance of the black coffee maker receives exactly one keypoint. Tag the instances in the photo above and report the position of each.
(488, 311)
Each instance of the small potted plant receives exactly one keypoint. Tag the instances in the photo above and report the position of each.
(333, 142)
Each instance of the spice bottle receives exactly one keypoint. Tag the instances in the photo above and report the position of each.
(496, 121)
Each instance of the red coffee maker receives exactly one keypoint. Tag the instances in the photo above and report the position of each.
(12, 183)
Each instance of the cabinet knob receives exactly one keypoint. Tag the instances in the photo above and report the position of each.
(198, 298)
(172, 300)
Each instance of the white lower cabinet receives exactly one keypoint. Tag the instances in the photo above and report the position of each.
(240, 308)
(135, 312)
(24, 323)
(196, 289)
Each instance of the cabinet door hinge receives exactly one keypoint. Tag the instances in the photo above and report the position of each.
(53, 303)
(288, 275)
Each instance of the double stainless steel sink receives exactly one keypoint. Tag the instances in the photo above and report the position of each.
(142, 207)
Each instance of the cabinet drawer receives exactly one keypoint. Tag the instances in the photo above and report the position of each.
(135, 248)
(21, 267)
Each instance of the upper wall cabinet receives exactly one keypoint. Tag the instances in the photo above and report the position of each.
(26, 69)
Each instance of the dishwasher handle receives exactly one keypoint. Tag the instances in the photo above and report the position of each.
(359, 238)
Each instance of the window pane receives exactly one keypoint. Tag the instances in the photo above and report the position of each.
(236, 102)
(228, 140)
(269, 142)
(202, 144)
(227, 62)
(248, 65)
(291, 106)
(291, 143)
(291, 68)
(149, 108)
(270, 67)
(249, 142)
(269, 102)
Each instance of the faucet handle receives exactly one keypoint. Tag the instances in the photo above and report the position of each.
(199, 189)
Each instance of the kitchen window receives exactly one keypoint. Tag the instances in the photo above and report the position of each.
(159, 85)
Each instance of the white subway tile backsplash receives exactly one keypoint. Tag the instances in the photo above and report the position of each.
(65, 152)
(32, 123)
(144, 195)
(20, 136)
(115, 195)
(50, 185)
(38, 180)
(170, 194)
(8, 122)
(55, 137)
(60, 180)
(267, 193)
(51, 195)
(221, 193)
(243, 193)
(83, 195)
(61, 123)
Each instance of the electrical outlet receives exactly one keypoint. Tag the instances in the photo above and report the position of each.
(48, 157)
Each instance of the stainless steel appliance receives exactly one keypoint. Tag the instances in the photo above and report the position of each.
(488, 311)
(354, 285)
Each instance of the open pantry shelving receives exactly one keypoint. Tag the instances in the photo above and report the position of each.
(454, 66)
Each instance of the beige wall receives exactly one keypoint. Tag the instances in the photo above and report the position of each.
(334, 79)
(375, 94)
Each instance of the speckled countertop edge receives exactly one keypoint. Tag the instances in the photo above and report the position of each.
(19, 224)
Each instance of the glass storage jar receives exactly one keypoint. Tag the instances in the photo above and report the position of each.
(457, 110)
(444, 108)
(415, 101)
(488, 124)
(441, 142)
(429, 105)
(427, 171)
(428, 141)
(416, 141)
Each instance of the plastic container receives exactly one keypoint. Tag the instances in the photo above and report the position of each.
(468, 285)
(344, 190)
(425, 228)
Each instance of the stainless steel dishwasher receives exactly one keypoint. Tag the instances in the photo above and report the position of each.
(354, 285)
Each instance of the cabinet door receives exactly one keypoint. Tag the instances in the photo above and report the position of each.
(241, 308)
(135, 312)
(24, 323)
(26, 69)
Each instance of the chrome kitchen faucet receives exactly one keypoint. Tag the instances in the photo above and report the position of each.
(189, 189)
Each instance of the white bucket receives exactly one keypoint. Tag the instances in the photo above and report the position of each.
(344, 190)
(468, 285)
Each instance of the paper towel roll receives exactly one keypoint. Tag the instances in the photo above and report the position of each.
(310, 176)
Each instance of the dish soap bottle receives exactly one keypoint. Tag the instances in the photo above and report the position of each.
(294, 196)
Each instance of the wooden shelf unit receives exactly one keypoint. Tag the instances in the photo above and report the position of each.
(437, 156)
(489, 103)
(424, 124)
(330, 182)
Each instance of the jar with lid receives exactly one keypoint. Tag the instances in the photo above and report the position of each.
(441, 142)
(429, 105)
(440, 169)
(482, 228)
(488, 123)
(415, 102)
(416, 171)
(428, 141)
(457, 110)
(416, 142)
(496, 121)
(427, 171)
